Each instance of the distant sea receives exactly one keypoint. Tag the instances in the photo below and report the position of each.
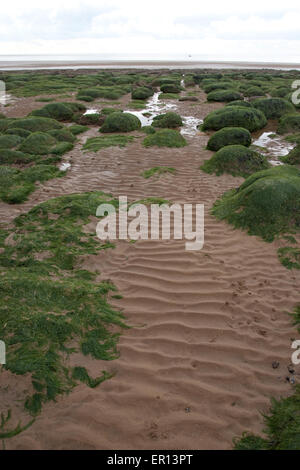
(150, 61)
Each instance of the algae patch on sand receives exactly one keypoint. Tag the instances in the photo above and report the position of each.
(51, 308)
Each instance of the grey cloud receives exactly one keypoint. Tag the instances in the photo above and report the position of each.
(36, 24)
(65, 24)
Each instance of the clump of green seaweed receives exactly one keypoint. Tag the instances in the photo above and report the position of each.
(51, 307)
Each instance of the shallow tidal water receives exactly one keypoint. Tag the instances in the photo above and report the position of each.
(273, 147)
(153, 108)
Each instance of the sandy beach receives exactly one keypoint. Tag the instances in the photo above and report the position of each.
(195, 368)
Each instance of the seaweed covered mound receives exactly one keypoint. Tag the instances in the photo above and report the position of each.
(280, 92)
(166, 79)
(38, 143)
(141, 93)
(9, 141)
(107, 92)
(6, 123)
(246, 104)
(170, 88)
(235, 116)
(229, 136)
(293, 157)
(35, 124)
(8, 156)
(267, 204)
(62, 135)
(170, 120)
(22, 150)
(289, 123)
(273, 108)
(223, 95)
(236, 160)
(18, 131)
(59, 111)
(254, 91)
(120, 122)
(165, 138)
(211, 85)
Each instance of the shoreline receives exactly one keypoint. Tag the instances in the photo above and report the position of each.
(141, 64)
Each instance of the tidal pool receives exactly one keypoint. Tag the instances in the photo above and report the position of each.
(273, 146)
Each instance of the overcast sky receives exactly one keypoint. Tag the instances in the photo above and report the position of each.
(213, 30)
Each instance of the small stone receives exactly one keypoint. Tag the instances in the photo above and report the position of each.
(275, 364)
(188, 98)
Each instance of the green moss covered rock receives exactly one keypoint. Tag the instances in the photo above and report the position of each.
(170, 88)
(289, 123)
(62, 135)
(141, 93)
(120, 122)
(229, 136)
(58, 111)
(267, 204)
(246, 104)
(254, 91)
(170, 120)
(236, 160)
(9, 141)
(280, 92)
(293, 157)
(211, 85)
(223, 95)
(38, 143)
(235, 116)
(18, 131)
(107, 92)
(273, 108)
(35, 124)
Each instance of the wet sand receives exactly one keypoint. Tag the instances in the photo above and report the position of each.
(141, 64)
(195, 369)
